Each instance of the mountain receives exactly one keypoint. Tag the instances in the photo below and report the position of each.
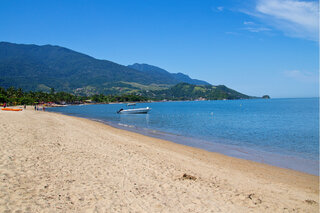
(34, 67)
(40, 68)
(161, 73)
(186, 79)
(185, 91)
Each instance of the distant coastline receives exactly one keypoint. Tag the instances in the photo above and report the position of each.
(180, 92)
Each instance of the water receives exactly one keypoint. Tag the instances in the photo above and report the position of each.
(281, 132)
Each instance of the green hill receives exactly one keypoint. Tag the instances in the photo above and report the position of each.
(40, 68)
(33, 67)
(184, 91)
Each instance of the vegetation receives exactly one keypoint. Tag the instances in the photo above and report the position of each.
(184, 91)
(14, 96)
(78, 77)
(39, 68)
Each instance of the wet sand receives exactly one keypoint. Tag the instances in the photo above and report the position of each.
(56, 163)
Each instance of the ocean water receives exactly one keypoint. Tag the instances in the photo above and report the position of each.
(280, 132)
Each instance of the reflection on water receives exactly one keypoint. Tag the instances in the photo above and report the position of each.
(134, 118)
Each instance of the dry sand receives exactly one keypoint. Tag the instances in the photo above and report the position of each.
(56, 163)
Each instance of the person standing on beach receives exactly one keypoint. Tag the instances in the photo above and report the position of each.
(35, 107)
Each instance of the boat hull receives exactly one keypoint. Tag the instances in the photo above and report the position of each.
(135, 111)
(10, 109)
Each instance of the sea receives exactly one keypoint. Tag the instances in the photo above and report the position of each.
(281, 132)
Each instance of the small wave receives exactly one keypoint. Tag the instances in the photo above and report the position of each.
(126, 125)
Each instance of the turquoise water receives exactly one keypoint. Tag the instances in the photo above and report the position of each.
(281, 132)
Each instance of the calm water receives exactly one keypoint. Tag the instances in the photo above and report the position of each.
(281, 132)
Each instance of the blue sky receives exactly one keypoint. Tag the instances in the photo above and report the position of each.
(256, 46)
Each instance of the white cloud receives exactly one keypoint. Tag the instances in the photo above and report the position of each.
(248, 23)
(306, 77)
(254, 28)
(294, 17)
(220, 8)
(257, 29)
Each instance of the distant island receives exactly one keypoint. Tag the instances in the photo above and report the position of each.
(46, 68)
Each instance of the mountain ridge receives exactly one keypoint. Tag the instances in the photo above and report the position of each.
(41, 68)
(157, 71)
(34, 67)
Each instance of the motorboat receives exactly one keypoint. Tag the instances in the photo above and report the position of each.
(131, 104)
(134, 111)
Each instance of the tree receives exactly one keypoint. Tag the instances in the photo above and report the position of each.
(3, 98)
(51, 90)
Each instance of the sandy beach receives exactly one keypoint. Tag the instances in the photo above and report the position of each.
(56, 163)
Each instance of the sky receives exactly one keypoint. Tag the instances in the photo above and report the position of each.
(256, 47)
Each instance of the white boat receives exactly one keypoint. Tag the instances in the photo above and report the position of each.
(131, 104)
(135, 111)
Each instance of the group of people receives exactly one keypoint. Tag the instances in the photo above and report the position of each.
(36, 108)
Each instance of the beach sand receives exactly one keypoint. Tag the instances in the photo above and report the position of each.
(56, 163)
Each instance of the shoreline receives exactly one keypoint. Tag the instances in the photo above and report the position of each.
(55, 161)
(291, 162)
(260, 156)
